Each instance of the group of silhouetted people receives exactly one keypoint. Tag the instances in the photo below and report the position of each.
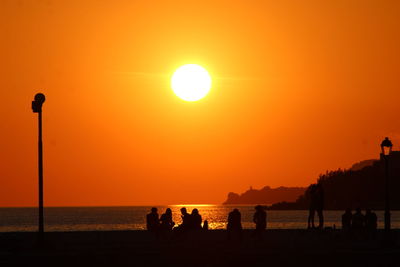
(356, 223)
(234, 226)
(360, 224)
(193, 221)
(165, 223)
(159, 225)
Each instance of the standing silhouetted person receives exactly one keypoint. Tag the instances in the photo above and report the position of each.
(346, 220)
(152, 221)
(313, 203)
(319, 204)
(357, 224)
(260, 219)
(195, 220)
(371, 223)
(234, 227)
(358, 220)
(166, 221)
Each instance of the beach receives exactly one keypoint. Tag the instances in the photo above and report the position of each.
(206, 248)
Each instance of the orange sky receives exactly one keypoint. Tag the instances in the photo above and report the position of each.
(299, 87)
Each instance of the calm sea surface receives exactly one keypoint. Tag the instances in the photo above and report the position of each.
(133, 218)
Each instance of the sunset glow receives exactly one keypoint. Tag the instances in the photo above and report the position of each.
(285, 91)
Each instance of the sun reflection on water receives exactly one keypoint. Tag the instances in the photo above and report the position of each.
(193, 205)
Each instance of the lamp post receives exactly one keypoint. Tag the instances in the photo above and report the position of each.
(37, 108)
(386, 149)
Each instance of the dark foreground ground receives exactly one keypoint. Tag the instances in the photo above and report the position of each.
(210, 248)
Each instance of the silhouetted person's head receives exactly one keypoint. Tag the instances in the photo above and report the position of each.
(195, 211)
(168, 211)
(183, 211)
(358, 210)
(259, 208)
(368, 211)
(235, 210)
(154, 210)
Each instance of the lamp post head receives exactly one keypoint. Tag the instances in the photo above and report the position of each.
(386, 146)
(38, 102)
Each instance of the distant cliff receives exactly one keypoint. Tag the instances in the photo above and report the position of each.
(362, 164)
(266, 195)
(361, 186)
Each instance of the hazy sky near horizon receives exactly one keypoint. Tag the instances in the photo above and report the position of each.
(299, 87)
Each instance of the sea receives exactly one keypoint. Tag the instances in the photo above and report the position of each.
(133, 218)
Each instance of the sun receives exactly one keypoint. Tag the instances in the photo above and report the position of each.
(191, 82)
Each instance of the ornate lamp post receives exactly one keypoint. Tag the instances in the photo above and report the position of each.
(386, 148)
(37, 108)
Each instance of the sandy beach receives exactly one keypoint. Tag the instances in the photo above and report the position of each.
(210, 248)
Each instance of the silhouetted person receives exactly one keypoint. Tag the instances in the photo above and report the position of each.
(205, 225)
(152, 221)
(186, 220)
(346, 220)
(260, 219)
(371, 223)
(183, 228)
(195, 220)
(357, 224)
(313, 203)
(358, 220)
(234, 227)
(319, 204)
(166, 221)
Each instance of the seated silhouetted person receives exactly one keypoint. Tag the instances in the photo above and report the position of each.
(371, 223)
(234, 227)
(346, 220)
(166, 221)
(205, 225)
(152, 221)
(186, 220)
(195, 220)
(260, 219)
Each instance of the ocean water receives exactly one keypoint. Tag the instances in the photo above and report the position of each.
(133, 218)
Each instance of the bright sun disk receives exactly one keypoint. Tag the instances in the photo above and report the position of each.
(191, 82)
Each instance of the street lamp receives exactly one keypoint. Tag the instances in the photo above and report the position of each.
(386, 148)
(37, 108)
